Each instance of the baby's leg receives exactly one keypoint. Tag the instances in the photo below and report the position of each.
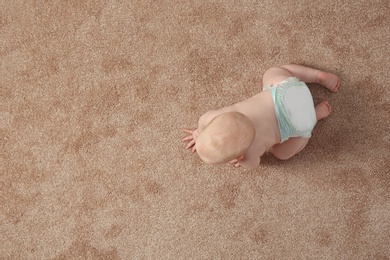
(323, 110)
(289, 148)
(275, 75)
(309, 75)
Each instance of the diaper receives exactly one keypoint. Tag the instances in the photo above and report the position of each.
(294, 108)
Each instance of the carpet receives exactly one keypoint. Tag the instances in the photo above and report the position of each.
(94, 97)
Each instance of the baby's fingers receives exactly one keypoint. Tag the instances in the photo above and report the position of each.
(188, 138)
(188, 131)
(233, 161)
(190, 144)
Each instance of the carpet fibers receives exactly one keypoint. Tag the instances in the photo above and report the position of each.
(94, 96)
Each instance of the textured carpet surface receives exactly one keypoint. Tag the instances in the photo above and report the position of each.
(94, 96)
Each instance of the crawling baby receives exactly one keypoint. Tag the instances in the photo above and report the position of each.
(280, 119)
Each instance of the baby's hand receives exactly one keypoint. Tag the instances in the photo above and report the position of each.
(235, 163)
(193, 134)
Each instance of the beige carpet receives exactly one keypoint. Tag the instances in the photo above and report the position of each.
(94, 95)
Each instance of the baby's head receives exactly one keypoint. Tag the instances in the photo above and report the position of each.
(227, 137)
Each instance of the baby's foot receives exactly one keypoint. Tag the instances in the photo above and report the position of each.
(328, 80)
(323, 110)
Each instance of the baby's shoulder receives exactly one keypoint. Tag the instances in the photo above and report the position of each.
(208, 116)
(205, 119)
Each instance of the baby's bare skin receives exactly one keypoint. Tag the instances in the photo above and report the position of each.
(261, 111)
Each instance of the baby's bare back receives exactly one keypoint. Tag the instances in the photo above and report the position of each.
(261, 111)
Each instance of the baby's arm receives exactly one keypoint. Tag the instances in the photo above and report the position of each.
(250, 163)
(250, 160)
(246, 162)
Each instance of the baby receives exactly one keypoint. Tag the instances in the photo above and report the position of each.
(280, 119)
